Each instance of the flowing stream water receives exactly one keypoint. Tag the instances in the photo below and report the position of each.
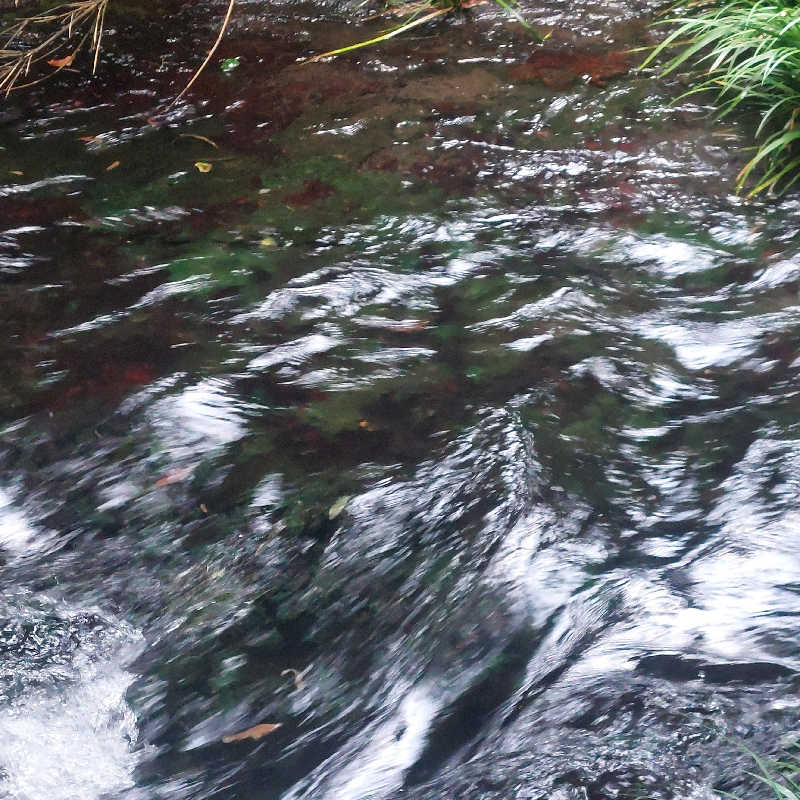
(450, 421)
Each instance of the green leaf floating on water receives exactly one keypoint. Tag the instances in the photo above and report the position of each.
(230, 64)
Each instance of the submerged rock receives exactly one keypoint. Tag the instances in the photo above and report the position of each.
(559, 69)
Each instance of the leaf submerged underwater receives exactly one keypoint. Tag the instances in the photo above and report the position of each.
(256, 732)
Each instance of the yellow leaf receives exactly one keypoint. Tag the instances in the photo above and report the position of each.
(256, 732)
(203, 166)
(339, 506)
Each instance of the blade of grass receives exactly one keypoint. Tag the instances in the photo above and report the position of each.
(383, 37)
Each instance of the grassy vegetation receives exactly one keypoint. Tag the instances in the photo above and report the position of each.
(55, 35)
(748, 53)
(58, 35)
(781, 777)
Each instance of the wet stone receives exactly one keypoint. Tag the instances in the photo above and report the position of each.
(559, 69)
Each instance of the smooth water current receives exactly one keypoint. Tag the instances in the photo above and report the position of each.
(450, 421)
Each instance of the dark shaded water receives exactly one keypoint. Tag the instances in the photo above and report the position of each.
(451, 420)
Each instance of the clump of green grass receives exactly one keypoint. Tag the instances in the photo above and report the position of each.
(749, 54)
(781, 777)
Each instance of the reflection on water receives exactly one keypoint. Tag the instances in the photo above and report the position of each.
(17, 535)
(450, 421)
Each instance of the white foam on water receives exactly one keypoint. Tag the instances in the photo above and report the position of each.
(76, 741)
(16, 532)
(391, 751)
(373, 769)
(199, 419)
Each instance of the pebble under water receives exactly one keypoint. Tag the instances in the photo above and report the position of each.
(450, 421)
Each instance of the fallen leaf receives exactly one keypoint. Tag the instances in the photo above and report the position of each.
(15, 172)
(204, 508)
(230, 64)
(112, 165)
(176, 476)
(62, 62)
(203, 166)
(256, 732)
(338, 506)
(268, 241)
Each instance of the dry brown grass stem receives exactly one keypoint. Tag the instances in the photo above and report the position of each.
(210, 53)
(83, 19)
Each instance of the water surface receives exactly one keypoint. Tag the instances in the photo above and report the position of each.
(450, 421)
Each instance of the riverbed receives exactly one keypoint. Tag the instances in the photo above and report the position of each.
(437, 404)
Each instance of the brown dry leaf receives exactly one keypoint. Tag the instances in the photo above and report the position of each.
(204, 508)
(112, 165)
(62, 62)
(15, 172)
(256, 732)
(175, 476)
